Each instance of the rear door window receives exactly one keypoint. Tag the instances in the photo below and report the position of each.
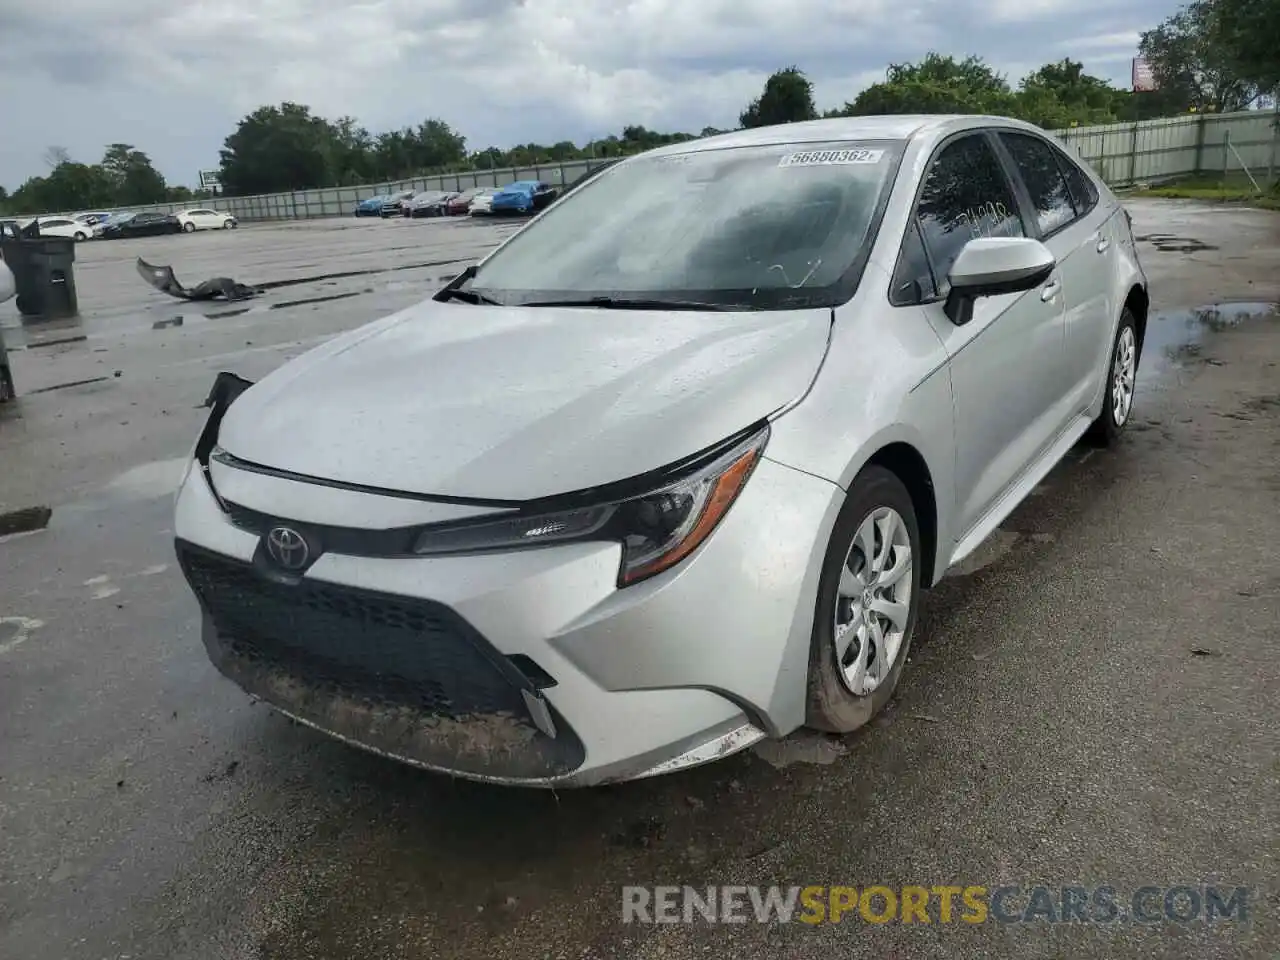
(1083, 192)
(1043, 178)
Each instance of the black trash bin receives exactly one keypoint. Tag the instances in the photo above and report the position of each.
(43, 274)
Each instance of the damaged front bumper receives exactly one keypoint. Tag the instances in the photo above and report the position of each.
(527, 668)
(402, 677)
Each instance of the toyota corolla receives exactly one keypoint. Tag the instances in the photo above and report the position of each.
(666, 472)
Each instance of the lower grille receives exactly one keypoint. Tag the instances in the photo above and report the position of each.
(404, 676)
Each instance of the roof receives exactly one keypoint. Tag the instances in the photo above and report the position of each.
(889, 127)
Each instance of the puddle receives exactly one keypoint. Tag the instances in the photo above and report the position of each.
(1168, 243)
(1175, 337)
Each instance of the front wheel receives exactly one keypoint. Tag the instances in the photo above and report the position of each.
(867, 598)
(1122, 372)
(228, 224)
(81, 237)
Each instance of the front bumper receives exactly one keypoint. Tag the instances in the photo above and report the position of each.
(527, 667)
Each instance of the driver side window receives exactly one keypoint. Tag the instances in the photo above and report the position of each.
(965, 196)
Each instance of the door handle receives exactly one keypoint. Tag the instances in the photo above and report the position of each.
(1104, 245)
(1050, 290)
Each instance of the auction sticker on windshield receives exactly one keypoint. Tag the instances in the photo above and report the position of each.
(825, 157)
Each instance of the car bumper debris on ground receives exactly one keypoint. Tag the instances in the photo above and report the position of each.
(1090, 702)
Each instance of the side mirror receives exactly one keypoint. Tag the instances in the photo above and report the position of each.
(991, 266)
(7, 287)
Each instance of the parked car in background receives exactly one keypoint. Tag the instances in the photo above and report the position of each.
(371, 207)
(460, 203)
(627, 545)
(64, 227)
(393, 205)
(482, 203)
(148, 223)
(524, 196)
(429, 203)
(202, 218)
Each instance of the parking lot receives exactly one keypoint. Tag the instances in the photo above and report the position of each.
(1090, 700)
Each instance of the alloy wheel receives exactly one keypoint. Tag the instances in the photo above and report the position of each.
(1122, 376)
(873, 601)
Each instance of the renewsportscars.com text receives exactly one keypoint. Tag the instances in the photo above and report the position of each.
(936, 904)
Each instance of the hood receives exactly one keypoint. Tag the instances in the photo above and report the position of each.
(504, 403)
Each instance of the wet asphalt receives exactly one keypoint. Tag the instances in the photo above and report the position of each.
(1092, 699)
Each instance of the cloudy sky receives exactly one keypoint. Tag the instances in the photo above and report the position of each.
(172, 77)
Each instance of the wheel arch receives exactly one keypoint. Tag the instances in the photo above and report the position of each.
(909, 465)
(1138, 303)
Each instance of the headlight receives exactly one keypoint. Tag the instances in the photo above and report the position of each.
(657, 529)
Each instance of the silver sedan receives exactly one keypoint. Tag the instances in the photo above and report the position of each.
(666, 472)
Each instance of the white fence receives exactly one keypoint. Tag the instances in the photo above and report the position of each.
(1122, 153)
(1155, 150)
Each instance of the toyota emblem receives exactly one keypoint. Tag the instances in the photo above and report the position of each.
(288, 548)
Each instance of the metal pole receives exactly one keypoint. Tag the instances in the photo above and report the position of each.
(1275, 136)
(1226, 153)
(1133, 155)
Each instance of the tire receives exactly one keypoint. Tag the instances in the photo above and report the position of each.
(80, 237)
(228, 224)
(1121, 375)
(832, 703)
(188, 227)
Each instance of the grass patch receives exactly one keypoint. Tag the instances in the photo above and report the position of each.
(1214, 190)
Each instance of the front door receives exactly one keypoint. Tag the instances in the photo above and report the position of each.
(1006, 362)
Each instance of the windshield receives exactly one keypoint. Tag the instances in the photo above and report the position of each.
(762, 227)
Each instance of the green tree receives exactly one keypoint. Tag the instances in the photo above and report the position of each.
(1250, 30)
(134, 181)
(278, 148)
(1062, 94)
(1193, 61)
(787, 98)
(69, 186)
(937, 84)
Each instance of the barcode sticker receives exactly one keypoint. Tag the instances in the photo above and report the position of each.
(827, 157)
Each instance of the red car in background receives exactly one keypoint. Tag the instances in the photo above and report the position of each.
(460, 205)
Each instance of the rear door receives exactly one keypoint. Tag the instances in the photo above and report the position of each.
(1008, 403)
(1074, 231)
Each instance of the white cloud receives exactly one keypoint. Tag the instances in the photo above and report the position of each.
(173, 76)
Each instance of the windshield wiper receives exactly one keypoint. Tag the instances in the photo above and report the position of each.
(467, 296)
(626, 303)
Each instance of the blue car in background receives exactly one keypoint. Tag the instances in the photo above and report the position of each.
(524, 196)
(373, 206)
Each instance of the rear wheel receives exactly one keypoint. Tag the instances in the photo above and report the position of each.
(1122, 371)
(188, 227)
(866, 612)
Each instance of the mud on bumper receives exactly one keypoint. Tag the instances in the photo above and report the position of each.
(403, 677)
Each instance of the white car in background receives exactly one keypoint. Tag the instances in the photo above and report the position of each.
(203, 218)
(482, 205)
(64, 227)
